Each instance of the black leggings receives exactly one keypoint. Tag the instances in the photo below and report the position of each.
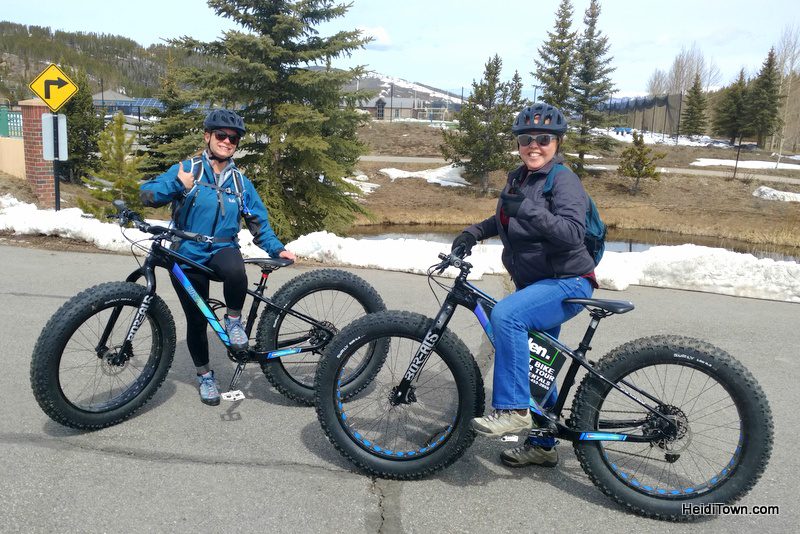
(229, 265)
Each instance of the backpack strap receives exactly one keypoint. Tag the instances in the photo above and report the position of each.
(547, 190)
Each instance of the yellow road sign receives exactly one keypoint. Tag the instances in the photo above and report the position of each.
(54, 87)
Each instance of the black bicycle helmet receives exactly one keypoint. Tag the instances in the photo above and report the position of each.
(540, 117)
(223, 118)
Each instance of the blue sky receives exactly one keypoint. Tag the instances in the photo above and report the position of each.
(445, 43)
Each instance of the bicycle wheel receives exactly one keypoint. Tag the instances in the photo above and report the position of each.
(724, 429)
(81, 385)
(329, 296)
(401, 441)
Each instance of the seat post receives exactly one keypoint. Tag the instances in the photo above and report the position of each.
(585, 345)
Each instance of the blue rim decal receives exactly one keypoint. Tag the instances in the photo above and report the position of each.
(630, 480)
(389, 453)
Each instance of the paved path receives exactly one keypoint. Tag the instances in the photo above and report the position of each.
(742, 174)
(263, 464)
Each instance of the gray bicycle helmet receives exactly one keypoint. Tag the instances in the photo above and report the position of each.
(224, 118)
(540, 117)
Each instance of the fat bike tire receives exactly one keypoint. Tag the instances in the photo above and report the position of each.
(724, 427)
(81, 385)
(330, 296)
(399, 440)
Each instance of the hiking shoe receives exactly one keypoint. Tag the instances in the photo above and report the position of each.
(209, 390)
(236, 333)
(501, 422)
(529, 454)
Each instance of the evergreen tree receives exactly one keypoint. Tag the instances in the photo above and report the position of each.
(636, 162)
(118, 174)
(591, 83)
(178, 132)
(693, 120)
(302, 128)
(83, 128)
(764, 99)
(554, 64)
(484, 126)
(730, 113)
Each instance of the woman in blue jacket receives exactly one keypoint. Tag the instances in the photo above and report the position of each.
(544, 251)
(212, 197)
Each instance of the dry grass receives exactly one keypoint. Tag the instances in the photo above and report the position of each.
(716, 207)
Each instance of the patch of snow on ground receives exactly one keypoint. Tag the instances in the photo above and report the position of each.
(448, 175)
(772, 194)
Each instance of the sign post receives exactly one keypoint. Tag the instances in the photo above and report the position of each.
(55, 88)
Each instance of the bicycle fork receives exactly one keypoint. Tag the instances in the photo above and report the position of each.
(403, 393)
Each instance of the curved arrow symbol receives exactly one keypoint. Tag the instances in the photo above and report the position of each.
(59, 83)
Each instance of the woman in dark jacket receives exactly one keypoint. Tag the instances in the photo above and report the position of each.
(544, 251)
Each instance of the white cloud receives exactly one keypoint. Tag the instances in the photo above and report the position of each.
(380, 37)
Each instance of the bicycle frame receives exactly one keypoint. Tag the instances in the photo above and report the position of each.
(161, 256)
(465, 294)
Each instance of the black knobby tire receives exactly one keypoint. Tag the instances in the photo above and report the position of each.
(332, 296)
(725, 427)
(81, 389)
(403, 441)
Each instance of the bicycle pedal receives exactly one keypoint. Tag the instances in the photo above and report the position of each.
(234, 395)
(509, 438)
(541, 433)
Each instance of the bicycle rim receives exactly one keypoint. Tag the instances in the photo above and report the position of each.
(102, 382)
(332, 307)
(704, 452)
(398, 431)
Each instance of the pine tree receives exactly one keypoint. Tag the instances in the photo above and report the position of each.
(481, 142)
(83, 129)
(591, 83)
(302, 128)
(554, 64)
(636, 162)
(117, 171)
(693, 120)
(178, 132)
(764, 100)
(730, 113)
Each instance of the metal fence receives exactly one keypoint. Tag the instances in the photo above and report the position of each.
(10, 123)
(655, 114)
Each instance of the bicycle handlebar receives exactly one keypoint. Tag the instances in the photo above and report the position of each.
(454, 259)
(125, 215)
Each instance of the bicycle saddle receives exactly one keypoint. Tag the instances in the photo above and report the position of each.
(612, 306)
(270, 264)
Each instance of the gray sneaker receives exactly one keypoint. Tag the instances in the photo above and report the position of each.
(501, 422)
(209, 391)
(528, 454)
(236, 333)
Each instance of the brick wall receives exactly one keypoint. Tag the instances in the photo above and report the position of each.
(38, 172)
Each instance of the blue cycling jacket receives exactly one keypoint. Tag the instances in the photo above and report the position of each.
(212, 211)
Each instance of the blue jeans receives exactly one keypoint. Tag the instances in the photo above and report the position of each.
(536, 307)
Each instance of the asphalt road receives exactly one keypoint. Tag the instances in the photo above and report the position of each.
(263, 464)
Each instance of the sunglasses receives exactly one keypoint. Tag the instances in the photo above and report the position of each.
(220, 136)
(540, 139)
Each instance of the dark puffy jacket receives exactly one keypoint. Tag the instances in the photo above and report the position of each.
(204, 215)
(545, 239)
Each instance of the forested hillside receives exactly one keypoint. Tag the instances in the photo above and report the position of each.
(119, 63)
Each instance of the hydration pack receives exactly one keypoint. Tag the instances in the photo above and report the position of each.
(595, 235)
(182, 206)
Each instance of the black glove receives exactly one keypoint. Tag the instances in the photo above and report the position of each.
(465, 240)
(511, 202)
